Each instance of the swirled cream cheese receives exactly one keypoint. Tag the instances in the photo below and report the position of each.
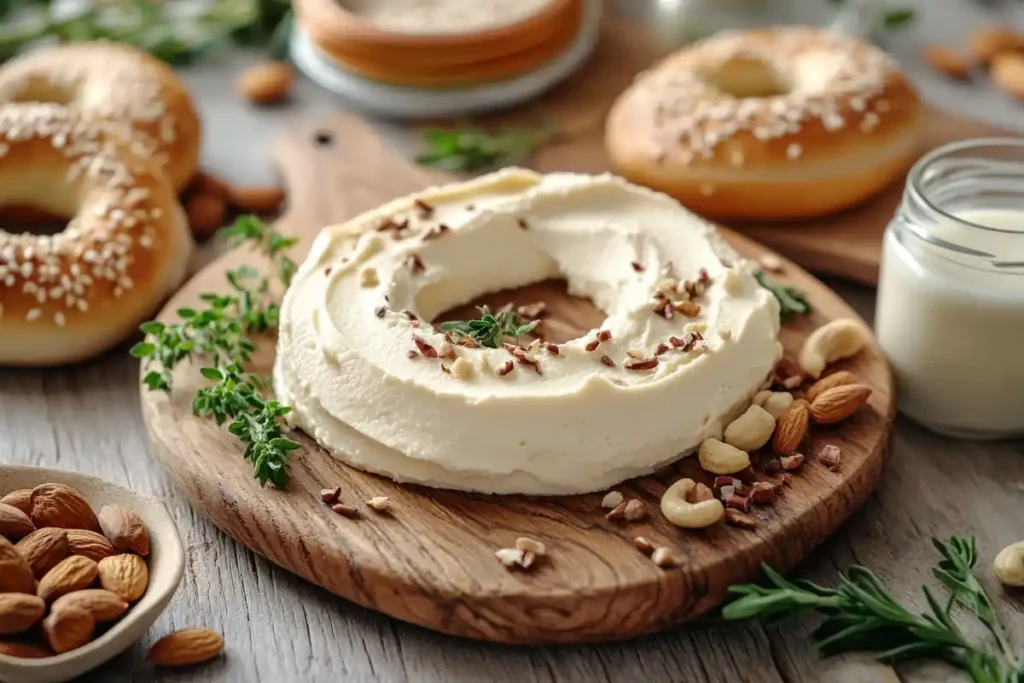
(689, 336)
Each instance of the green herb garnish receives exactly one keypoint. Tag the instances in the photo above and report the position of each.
(861, 615)
(898, 19)
(469, 149)
(490, 329)
(218, 335)
(170, 32)
(793, 300)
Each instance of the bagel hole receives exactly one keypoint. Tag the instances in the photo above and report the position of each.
(565, 317)
(28, 219)
(746, 77)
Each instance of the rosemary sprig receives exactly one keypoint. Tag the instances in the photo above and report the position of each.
(219, 336)
(469, 148)
(861, 615)
(175, 32)
(793, 300)
(491, 329)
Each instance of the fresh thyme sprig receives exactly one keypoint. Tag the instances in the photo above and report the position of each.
(861, 615)
(491, 329)
(792, 300)
(176, 32)
(219, 336)
(469, 148)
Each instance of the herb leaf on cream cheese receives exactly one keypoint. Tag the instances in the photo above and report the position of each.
(792, 300)
(490, 329)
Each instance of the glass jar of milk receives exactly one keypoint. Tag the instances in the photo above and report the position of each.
(950, 312)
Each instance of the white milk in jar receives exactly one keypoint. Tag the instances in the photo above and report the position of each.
(950, 312)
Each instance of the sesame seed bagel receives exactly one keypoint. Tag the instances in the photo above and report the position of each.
(132, 92)
(69, 296)
(769, 124)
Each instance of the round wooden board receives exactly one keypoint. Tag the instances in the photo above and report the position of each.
(432, 561)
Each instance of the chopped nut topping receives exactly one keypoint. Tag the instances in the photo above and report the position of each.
(663, 557)
(635, 511)
(504, 368)
(687, 308)
(830, 456)
(426, 349)
(425, 210)
(608, 361)
(327, 271)
(611, 500)
(638, 364)
(762, 493)
(514, 557)
(643, 545)
(345, 510)
(522, 223)
(393, 226)
(617, 513)
(592, 346)
(379, 503)
(522, 358)
(661, 350)
(532, 311)
(736, 502)
(738, 519)
(445, 369)
(462, 368)
(415, 263)
(529, 545)
(411, 354)
(552, 349)
(791, 462)
(435, 232)
(380, 311)
(638, 267)
(368, 277)
(604, 335)
(330, 496)
(664, 309)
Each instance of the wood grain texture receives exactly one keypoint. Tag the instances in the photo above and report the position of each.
(847, 244)
(431, 562)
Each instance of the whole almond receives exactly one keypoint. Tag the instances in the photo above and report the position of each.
(947, 61)
(14, 523)
(89, 544)
(1008, 73)
(101, 604)
(68, 628)
(15, 574)
(57, 505)
(836, 379)
(988, 43)
(205, 213)
(22, 650)
(43, 549)
(188, 646)
(257, 199)
(838, 403)
(791, 428)
(125, 529)
(126, 576)
(71, 574)
(21, 499)
(19, 612)
(266, 83)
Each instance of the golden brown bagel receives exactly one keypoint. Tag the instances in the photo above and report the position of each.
(424, 72)
(770, 124)
(131, 91)
(72, 295)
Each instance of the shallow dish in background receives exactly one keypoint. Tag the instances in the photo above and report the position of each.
(166, 562)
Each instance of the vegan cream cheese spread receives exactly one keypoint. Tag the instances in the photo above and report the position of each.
(689, 337)
(443, 17)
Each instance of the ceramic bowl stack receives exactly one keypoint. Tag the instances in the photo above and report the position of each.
(405, 59)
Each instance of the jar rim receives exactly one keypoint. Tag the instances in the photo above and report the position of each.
(915, 176)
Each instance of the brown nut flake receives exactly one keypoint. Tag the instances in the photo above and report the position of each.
(643, 545)
(346, 510)
(592, 346)
(617, 513)
(791, 462)
(737, 502)
(426, 349)
(664, 557)
(739, 519)
(635, 510)
(330, 496)
(830, 456)
(504, 368)
(641, 364)
(762, 493)
(638, 267)
(422, 208)
(687, 308)
(415, 263)
(608, 361)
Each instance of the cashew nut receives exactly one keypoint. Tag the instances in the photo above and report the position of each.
(751, 430)
(760, 397)
(832, 341)
(681, 512)
(368, 277)
(778, 403)
(1008, 565)
(721, 458)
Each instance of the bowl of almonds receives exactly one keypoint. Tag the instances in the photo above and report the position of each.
(86, 567)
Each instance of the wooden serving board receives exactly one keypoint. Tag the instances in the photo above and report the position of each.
(848, 244)
(432, 561)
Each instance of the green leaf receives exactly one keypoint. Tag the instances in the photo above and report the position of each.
(143, 350)
(211, 373)
(899, 19)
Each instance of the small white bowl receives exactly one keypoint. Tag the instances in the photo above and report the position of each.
(166, 563)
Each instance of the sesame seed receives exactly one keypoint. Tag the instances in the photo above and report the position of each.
(33, 314)
(58, 319)
(794, 151)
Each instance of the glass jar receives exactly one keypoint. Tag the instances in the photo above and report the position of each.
(950, 312)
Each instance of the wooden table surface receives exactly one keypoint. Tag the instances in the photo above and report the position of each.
(278, 628)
